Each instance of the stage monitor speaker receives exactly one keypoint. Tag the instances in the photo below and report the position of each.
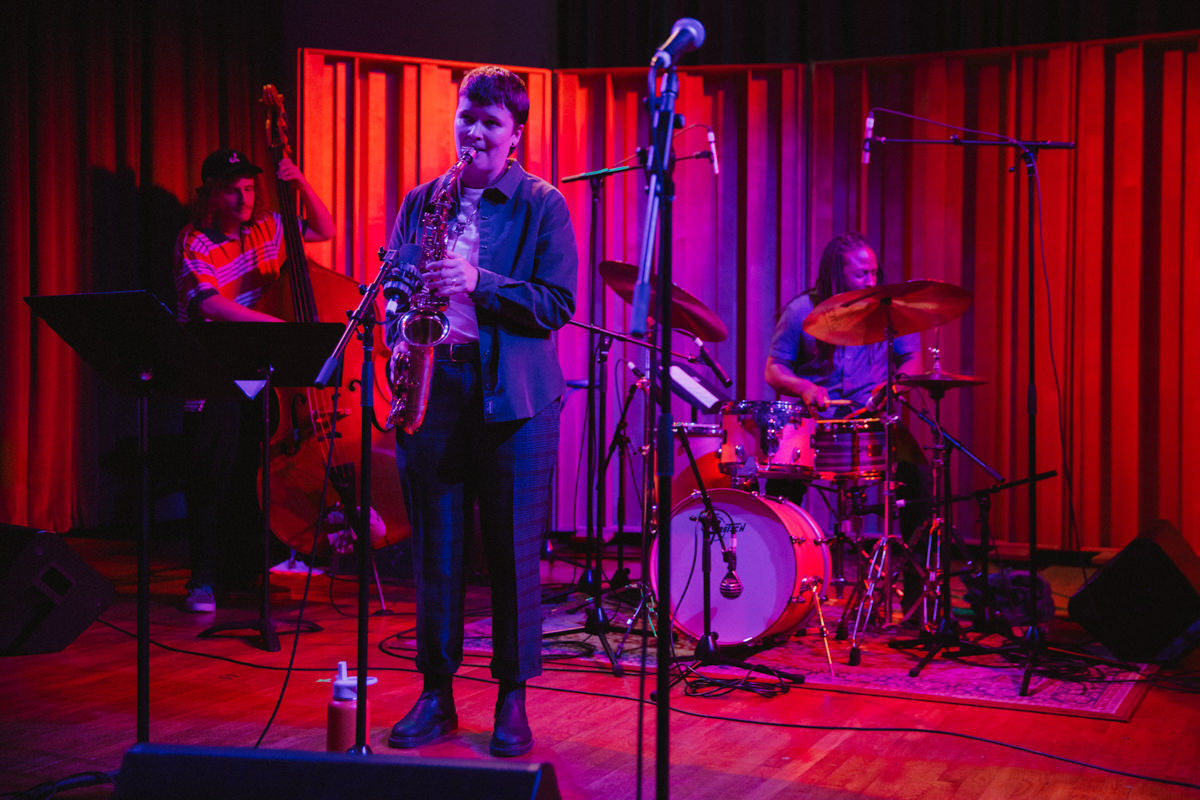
(156, 771)
(1144, 605)
(48, 594)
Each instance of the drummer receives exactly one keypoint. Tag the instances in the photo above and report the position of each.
(818, 372)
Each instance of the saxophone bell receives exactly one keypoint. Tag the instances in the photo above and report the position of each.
(424, 327)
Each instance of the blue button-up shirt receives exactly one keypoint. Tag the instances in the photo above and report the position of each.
(528, 268)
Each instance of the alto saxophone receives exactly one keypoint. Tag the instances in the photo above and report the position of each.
(424, 326)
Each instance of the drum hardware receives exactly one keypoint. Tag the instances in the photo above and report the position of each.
(848, 512)
(946, 634)
(686, 484)
(812, 584)
(737, 609)
(767, 438)
(881, 314)
(596, 622)
(880, 565)
(881, 572)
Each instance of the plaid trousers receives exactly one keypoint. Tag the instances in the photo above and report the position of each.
(452, 466)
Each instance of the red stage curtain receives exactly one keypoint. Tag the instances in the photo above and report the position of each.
(1110, 387)
(1113, 308)
(111, 108)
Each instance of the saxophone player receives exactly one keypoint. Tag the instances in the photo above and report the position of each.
(487, 445)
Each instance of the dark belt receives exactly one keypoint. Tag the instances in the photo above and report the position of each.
(464, 353)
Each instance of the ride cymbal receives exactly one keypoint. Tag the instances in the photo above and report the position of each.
(687, 312)
(864, 316)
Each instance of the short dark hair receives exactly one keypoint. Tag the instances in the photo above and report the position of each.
(491, 85)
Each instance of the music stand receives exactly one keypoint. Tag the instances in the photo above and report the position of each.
(279, 354)
(134, 342)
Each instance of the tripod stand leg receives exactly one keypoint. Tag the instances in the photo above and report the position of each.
(875, 571)
(645, 605)
(1033, 641)
(824, 632)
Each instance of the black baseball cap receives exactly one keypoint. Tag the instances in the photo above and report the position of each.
(225, 165)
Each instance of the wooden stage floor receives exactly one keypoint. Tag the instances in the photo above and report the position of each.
(75, 711)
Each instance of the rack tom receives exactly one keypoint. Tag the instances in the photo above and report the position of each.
(762, 437)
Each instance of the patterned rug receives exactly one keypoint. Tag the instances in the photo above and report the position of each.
(1089, 687)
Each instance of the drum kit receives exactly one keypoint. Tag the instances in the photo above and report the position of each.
(789, 562)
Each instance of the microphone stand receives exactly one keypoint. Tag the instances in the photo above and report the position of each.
(659, 199)
(363, 320)
(707, 652)
(1034, 640)
(597, 622)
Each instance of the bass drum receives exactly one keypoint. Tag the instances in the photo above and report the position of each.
(704, 440)
(782, 559)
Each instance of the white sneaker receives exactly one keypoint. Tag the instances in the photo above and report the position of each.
(200, 600)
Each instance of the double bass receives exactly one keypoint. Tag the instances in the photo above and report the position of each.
(309, 435)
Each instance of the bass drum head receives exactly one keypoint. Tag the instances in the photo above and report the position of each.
(781, 556)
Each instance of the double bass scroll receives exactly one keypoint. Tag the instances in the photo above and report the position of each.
(304, 440)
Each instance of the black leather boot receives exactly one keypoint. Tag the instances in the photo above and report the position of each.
(433, 715)
(511, 735)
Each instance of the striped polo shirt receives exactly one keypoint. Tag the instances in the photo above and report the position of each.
(239, 268)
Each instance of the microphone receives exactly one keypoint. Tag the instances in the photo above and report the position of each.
(401, 278)
(708, 361)
(642, 379)
(731, 587)
(879, 396)
(687, 34)
(712, 149)
(868, 135)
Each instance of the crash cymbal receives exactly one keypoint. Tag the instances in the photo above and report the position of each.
(939, 380)
(861, 316)
(687, 311)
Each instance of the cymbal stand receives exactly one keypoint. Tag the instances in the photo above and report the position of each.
(847, 534)
(1034, 640)
(620, 446)
(880, 571)
(947, 634)
(596, 622)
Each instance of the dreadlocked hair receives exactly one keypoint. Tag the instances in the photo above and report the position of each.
(831, 278)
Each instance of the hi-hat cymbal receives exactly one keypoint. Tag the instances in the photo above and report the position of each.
(862, 316)
(937, 379)
(687, 311)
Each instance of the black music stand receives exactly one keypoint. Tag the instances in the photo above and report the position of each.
(279, 354)
(134, 342)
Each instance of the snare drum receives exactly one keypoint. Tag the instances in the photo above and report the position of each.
(782, 563)
(773, 438)
(850, 448)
